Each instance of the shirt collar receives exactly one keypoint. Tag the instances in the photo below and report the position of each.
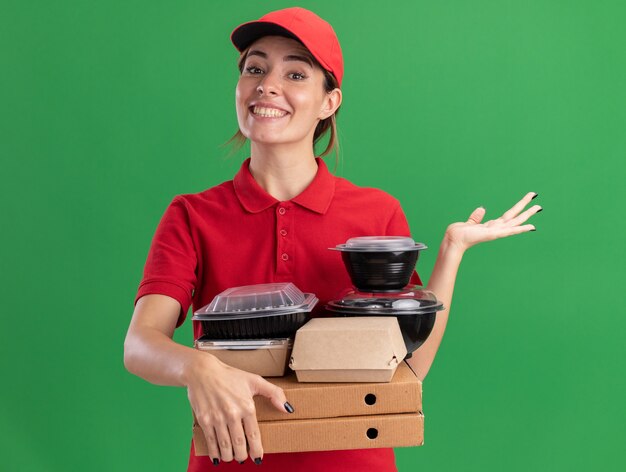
(316, 197)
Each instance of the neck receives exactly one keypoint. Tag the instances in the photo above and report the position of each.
(282, 171)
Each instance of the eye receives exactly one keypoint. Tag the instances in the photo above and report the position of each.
(253, 70)
(297, 76)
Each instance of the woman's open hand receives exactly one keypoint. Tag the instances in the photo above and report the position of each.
(474, 231)
(222, 400)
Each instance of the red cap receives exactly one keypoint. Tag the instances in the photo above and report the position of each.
(301, 24)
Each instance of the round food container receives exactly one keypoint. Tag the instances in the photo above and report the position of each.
(380, 263)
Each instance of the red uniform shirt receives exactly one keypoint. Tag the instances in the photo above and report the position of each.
(237, 234)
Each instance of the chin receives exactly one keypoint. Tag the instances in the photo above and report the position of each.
(268, 138)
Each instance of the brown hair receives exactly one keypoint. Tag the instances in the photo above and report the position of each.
(330, 123)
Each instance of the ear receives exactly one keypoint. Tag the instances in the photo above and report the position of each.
(332, 100)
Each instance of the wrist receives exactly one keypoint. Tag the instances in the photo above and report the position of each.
(451, 247)
(198, 363)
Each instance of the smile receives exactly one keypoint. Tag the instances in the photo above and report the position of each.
(268, 112)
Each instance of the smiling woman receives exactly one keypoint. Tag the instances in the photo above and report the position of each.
(300, 66)
(274, 222)
(281, 94)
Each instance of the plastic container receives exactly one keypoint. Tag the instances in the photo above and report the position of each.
(256, 311)
(380, 243)
(413, 299)
(380, 263)
(257, 299)
(269, 326)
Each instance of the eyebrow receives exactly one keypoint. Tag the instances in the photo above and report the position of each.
(289, 57)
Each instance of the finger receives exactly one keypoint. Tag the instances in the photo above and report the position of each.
(477, 215)
(211, 442)
(224, 443)
(238, 439)
(204, 421)
(518, 207)
(512, 231)
(523, 217)
(253, 435)
(273, 393)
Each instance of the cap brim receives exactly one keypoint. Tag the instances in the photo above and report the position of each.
(244, 35)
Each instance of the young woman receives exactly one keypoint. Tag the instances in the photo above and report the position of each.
(274, 222)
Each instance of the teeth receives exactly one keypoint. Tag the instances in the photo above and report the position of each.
(268, 112)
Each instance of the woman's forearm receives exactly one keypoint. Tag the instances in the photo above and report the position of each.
(460, 236)
(150, 352)
(156, 358)
(441, 283)
(221, 397)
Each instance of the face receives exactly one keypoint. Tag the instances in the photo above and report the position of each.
(280, 94)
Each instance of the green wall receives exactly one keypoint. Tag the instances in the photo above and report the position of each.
(111, 108)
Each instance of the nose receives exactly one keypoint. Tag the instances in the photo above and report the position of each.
(269, 85)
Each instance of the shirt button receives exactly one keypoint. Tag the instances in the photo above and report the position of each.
(281, 211)
(283, 232)
(284, 257)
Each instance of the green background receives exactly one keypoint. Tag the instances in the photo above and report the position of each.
(109, 109)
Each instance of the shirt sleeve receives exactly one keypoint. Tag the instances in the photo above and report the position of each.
(171, 264)
(399, 226)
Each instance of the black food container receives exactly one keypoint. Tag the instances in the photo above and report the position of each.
(380, 263)
(256, 312)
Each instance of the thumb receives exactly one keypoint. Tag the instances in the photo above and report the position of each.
(477, 215)
(275, 394)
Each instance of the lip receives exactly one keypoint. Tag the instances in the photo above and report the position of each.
(266, 105)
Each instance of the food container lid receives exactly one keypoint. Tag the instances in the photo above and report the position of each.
(251, 301)
(380, 243)
(411, 300)
(206, 343)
